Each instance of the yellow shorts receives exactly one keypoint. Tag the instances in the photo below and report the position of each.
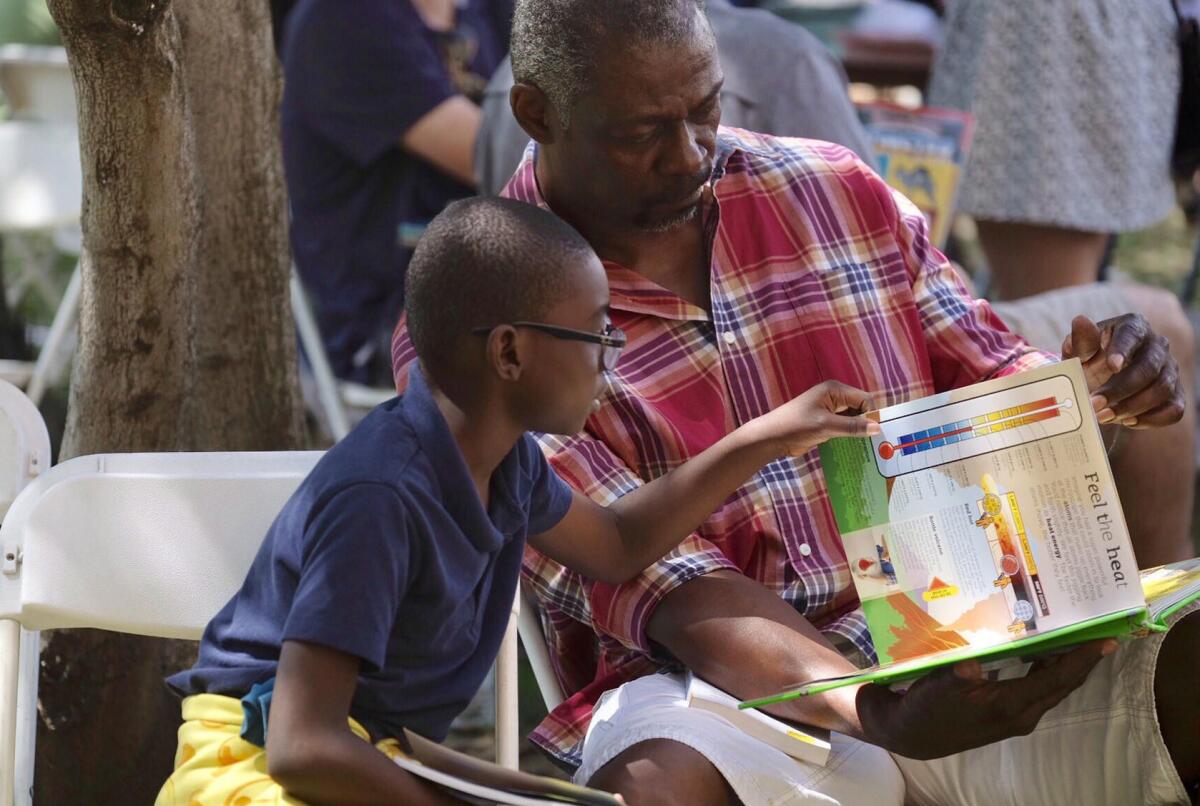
(214, 766)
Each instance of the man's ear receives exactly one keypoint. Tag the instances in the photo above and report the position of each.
(504, 353)
(533, 112)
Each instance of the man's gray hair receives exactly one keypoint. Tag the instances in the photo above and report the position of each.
(555, 43)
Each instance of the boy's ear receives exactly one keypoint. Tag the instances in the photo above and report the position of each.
(504, 353)
(533, 110)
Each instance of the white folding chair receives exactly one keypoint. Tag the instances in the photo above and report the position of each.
(534, 640)
(24, 454)
(150, 544)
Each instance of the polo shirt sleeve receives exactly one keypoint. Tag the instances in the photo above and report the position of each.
(549, 497)
(966, 341)
(620, 612)
(363, 77)
(354, 570)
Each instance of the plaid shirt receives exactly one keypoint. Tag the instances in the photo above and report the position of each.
(819, 271)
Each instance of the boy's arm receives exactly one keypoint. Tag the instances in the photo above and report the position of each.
(311, 752)
(615, 543)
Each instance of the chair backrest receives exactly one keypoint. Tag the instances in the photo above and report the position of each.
(24, 444)
(152, 544)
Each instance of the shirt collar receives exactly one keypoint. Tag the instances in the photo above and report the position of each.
(487, 531)
(630, 291)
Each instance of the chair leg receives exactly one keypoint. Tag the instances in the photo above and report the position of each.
(507, 729)
(310, 340)
(27, 716)
(10, 659)
(47, 367)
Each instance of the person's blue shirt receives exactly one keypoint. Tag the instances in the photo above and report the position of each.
(357, 75)
(385, 552)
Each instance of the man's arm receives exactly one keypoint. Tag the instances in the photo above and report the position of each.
(739, 636)
(311, 752)
(615, 543)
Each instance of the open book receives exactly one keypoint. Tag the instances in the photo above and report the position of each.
(983, 523)
(476, 781)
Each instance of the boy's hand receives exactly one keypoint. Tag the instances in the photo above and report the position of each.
(956, 709)
(829, 409)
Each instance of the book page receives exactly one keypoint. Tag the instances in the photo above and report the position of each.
(1168, 586)
(982, 515)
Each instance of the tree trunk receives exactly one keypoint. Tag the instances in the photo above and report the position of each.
(186, 339)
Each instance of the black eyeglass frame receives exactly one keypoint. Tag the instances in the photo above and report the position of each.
(613, 338)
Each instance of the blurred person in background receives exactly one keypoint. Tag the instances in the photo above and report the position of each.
(379, 117)
(1074, 106)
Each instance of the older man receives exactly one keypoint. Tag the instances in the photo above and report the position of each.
(745, 269)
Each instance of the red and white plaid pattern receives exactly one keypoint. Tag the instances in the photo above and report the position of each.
(819, 271)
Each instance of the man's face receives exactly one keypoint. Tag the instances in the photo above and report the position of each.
(641, 140)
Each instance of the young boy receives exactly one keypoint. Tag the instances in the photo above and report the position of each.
(380, 594)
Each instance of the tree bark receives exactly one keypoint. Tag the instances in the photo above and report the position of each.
(186, 339)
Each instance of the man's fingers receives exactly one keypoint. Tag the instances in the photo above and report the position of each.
(1069, 670)
(1053, 683)
(1140, 372)
(1084, 341)
(1162, 391)
(1168, 413)
(1127, 334)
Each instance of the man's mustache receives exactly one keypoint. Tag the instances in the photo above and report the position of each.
(686, 187)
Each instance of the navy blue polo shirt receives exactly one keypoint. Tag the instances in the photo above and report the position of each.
(385, 552)
(357, 75)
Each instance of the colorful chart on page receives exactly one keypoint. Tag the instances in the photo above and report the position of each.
(975, 426)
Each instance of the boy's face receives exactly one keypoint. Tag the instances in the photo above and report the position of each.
(564, 378)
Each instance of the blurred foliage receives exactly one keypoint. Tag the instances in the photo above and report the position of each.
(27, 22)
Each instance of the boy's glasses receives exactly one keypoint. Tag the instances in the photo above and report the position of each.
(611, 339)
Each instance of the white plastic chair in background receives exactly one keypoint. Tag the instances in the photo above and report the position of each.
(534, 640)
(24, 455)
(150, 544)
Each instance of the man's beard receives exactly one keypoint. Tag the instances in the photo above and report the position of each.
(673, 221)
(644, 222)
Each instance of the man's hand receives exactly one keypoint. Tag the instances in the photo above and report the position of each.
(829, 409)
(956, 709)
(1131, 374)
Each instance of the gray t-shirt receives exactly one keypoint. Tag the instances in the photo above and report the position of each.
(779, 79)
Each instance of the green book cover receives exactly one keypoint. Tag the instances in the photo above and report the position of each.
(984, 523)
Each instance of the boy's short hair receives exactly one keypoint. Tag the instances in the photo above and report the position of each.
(482, 262)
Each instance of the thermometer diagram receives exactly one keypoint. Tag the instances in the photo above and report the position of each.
(976, 426)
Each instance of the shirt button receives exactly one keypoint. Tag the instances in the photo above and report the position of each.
(729, 336)
(805, 549)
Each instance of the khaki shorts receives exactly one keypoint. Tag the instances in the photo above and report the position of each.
(1099, 746)
(1044, 320)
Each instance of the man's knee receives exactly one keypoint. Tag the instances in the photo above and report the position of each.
(661, 771)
